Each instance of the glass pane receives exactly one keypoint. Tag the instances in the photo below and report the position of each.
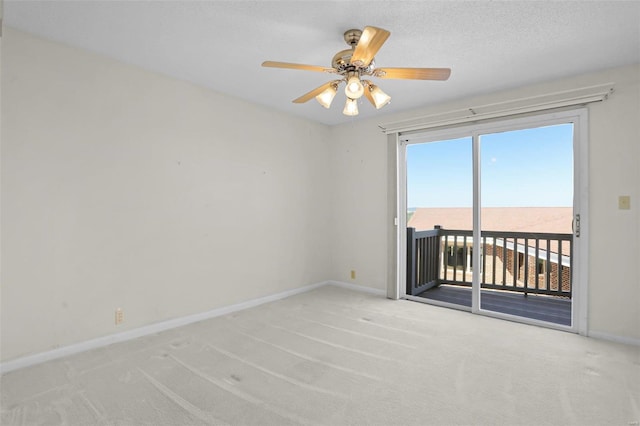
(440, 220)
(526, 220)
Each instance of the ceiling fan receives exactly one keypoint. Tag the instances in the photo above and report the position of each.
(353, 64)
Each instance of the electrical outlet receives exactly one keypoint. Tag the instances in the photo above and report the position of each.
(119, 316)
(353, 274)
(624, 202)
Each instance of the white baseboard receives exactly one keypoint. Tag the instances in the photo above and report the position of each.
(614, 338)
(357, 287)
(41, 357)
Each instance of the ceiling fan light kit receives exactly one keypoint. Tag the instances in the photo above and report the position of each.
(352, 64)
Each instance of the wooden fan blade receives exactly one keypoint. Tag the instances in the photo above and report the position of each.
(273, 64)
(315, 92)
(413, 73)
(370, 42)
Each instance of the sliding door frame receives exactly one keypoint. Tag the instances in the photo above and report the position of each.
(579, 118)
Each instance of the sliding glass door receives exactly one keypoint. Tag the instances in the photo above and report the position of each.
(491, 218)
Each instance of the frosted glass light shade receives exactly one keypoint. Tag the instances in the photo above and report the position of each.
(380, 98)
(354, 89)
(326, 97)
(351, 107)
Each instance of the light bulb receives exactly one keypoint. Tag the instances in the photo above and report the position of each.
(351, 107)
(326, 97)
(380, 98)
(354, 88)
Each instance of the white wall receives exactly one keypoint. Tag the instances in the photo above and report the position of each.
(359, 204)
(124, 188)
(360, 219)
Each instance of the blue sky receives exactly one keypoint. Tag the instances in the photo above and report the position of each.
(522, 168)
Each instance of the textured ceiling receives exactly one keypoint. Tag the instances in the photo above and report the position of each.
(489, 45)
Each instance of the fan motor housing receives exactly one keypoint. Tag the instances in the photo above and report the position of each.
(342, 60)
(342, 63)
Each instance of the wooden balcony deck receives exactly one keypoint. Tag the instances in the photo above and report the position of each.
(552, 309)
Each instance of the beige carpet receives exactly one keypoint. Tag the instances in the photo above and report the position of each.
(336, 357)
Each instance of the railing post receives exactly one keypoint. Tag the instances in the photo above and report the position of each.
(526, 266)
(411, 260)
(571, 263)
(437, 255)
